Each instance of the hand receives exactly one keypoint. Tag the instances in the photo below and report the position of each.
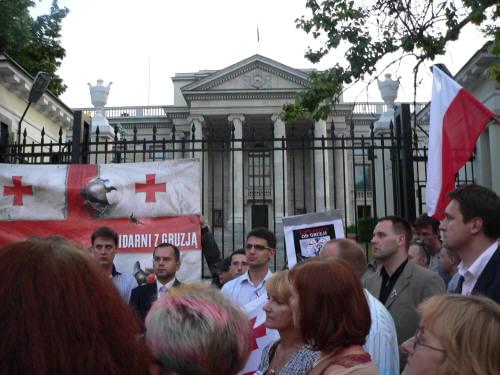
(203, 223)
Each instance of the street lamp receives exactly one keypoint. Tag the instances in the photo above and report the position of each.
(39, 86)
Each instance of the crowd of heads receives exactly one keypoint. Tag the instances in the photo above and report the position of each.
(56, 299)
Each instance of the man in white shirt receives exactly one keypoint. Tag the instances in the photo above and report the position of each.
(259, 250)
(471, 229)
(104, 245)
(381, 342)
(166, 262)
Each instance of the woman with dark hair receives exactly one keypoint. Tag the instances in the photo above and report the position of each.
(62, 315)
(330, 309)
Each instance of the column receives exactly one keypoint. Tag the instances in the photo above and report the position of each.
(236, 177)
(321, 170)
(383, 182)
(280, 169)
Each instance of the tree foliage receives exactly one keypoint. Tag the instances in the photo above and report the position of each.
(372, 31)
(33, 43)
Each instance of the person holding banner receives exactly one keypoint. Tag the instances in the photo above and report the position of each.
(104, 245)
(61, 314)
(289, 355)
(248, 291)
(331, 311)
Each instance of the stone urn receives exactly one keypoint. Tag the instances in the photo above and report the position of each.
(99, 97)
(389, 92)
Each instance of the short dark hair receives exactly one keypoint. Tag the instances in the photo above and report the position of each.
(424, 250)
(427, 221)
(401, 226)
(265, 234)
(236, 252)
(177, 253)
(105, 232)
(479, 201)
(333, 311)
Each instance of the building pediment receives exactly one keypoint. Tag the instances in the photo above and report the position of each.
(255, 75)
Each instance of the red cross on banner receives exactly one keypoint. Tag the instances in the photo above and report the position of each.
(259, 331)
(17, 190)
(150, 188)
(73, 200)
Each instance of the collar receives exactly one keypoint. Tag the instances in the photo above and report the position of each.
(480, 263)
(246, 277)
(167, 285)
(396, 273)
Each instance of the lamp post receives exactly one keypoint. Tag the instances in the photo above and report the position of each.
(39, 86)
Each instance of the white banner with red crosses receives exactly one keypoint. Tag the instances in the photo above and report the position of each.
(145, 203)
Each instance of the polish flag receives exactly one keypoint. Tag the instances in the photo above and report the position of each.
(457, 119)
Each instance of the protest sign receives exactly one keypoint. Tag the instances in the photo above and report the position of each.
(306, 234)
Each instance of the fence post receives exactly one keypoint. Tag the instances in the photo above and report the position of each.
(79, 141)
(407, 179)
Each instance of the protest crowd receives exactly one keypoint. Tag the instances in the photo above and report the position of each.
(428, 304)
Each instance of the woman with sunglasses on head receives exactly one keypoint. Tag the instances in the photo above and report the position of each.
(289, 355)
(458, 335)
(330, 309)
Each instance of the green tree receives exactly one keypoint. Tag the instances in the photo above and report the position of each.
(33, 43)
(374, 32)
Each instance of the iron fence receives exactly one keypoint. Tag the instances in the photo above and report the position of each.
(258, 179)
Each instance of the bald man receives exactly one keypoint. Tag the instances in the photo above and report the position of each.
(381, 342)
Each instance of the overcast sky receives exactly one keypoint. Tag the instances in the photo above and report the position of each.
(128, 41)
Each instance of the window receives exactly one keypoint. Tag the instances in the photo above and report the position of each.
(364, 211)
(218, 218)
(259, 170)
(160, 152)
(362, 177)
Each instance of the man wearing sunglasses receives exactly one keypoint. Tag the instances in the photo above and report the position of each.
(259, 250)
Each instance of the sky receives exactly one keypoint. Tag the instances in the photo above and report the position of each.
(140, 45)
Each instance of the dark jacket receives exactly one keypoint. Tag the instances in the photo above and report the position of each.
(143, 297)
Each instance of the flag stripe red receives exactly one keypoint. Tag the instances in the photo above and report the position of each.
(464, 121)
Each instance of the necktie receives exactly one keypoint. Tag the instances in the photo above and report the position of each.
(163, 289)
(458, 290)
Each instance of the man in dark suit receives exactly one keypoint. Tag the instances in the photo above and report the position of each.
(399, 284)
(166, 262)
(471, 228)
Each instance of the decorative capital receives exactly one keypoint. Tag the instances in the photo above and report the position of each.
(235, 118)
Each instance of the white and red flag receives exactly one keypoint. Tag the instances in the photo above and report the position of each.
(261, 335)
(145, 203)
(457, 119)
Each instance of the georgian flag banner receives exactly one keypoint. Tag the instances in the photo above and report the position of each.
(145, 203)
(261, 335)
(457, 119)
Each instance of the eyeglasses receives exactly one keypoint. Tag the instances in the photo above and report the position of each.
(258, 247)
(417, 341)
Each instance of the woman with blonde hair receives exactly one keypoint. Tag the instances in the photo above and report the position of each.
(288, 355)
(457, 335)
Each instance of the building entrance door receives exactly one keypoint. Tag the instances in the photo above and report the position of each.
(259, 216)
